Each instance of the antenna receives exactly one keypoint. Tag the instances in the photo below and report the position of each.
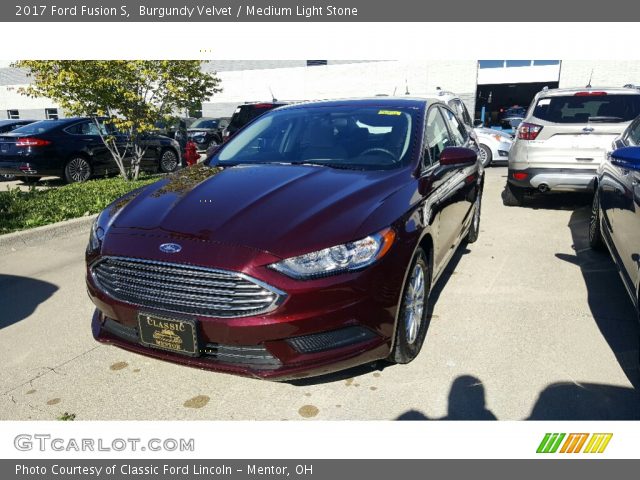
(406, 87)
(273, 98)
(590, 77)
(394, 91)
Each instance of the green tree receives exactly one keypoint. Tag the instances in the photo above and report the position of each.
(133, 94)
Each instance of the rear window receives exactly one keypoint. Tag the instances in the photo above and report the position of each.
(588, 108)
(245, 113)
(38, 127)
(205, 123)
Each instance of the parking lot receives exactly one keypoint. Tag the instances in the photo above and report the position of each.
(527, 323)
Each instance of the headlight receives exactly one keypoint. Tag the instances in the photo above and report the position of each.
(341, 258)
(95, 237)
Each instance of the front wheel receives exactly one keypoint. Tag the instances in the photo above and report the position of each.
(411, 326)
(595, 233)
(474, 229)
(168, 161)
(484, 155)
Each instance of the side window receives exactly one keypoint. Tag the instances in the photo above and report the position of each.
(74, 129)
(458, 130)
(436, 135)
(634, 135)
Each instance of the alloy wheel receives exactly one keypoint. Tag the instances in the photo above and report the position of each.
(414, 304)
(78, 170)
(168, 161)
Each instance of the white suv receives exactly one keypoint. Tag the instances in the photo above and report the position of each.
(564, 138)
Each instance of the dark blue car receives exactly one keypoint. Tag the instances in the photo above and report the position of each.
(615, 214)
(72, 148)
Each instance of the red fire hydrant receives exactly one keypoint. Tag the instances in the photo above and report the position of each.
(191, 155)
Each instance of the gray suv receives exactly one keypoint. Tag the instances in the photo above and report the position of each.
(564, 138)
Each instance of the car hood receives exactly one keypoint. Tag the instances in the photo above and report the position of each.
(285, 210)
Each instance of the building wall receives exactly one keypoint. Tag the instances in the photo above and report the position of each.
(29, 108)
(342, 81)
(606, 73)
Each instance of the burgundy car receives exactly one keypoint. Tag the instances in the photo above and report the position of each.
(307, 244)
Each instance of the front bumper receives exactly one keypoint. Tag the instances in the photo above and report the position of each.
(553, 179)
(323, 325)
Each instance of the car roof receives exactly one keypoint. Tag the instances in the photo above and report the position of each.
(556, 92)
(399, 102)
(18, 120)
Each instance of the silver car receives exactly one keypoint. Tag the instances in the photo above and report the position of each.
(564, 138)
(493, 145)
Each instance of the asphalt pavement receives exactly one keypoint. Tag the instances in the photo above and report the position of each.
(527, 323)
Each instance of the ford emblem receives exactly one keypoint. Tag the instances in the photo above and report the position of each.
(170, 248)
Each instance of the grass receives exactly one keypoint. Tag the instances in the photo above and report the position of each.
(21, 210)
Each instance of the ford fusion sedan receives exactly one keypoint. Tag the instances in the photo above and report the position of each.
(306, 244)
(615, 215)
(72, 149)
(564, 139)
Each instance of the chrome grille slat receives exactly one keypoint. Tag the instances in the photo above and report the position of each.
(178, 295)
(184, 288)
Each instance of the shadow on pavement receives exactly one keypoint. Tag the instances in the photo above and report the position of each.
(555, 201)
(609, 302)
(20, 296)
(559, 401)
(586, 401)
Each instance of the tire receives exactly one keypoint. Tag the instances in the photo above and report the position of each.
(595, 232)
(484, 155)
(212, 144)
(7, 178)
(77, 170)
(474, 229)
(169, 161)
(512, 196)
(412, 322)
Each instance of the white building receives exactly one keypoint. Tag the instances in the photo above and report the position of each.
(490, 83)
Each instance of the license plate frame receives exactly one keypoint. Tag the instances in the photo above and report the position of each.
(175, 335)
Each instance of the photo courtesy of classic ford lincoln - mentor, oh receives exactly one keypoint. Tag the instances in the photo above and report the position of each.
(306, 244)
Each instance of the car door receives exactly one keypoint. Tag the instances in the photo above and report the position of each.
(436, 186)
(86, 136)
(463, 191)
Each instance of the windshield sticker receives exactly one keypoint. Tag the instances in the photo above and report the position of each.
(544, 101)
(389, 112)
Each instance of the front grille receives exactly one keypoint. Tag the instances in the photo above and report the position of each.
(320, 342)
(184, 288)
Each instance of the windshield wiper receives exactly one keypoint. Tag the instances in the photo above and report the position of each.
(603, 118)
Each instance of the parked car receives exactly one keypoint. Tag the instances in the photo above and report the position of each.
(516, 111)
(564, 138)
(206, 132)
(494, 146)
(311, 247)
(245, 114)
(7, 126)
(615, 218)
(72, 149)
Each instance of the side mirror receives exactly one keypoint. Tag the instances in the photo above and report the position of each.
(477, 123)
(458, 156)
(626, 157)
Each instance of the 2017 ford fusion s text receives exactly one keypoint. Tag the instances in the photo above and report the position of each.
(305, 245)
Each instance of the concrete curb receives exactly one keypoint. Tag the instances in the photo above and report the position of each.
(12, 242)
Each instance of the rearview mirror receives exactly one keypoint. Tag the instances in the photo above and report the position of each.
(458, 156)
(627, 157)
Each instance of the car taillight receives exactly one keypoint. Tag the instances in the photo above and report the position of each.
(589, 94)
(32, 142)
(528, 131)
(520, 175)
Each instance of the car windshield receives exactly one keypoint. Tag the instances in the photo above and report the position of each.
(37, 127)
(588, 108)
(205, 123)
(363, 138)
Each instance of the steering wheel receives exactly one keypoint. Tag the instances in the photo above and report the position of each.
(381, 150)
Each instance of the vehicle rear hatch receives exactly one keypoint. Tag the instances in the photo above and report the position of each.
(578, 128)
